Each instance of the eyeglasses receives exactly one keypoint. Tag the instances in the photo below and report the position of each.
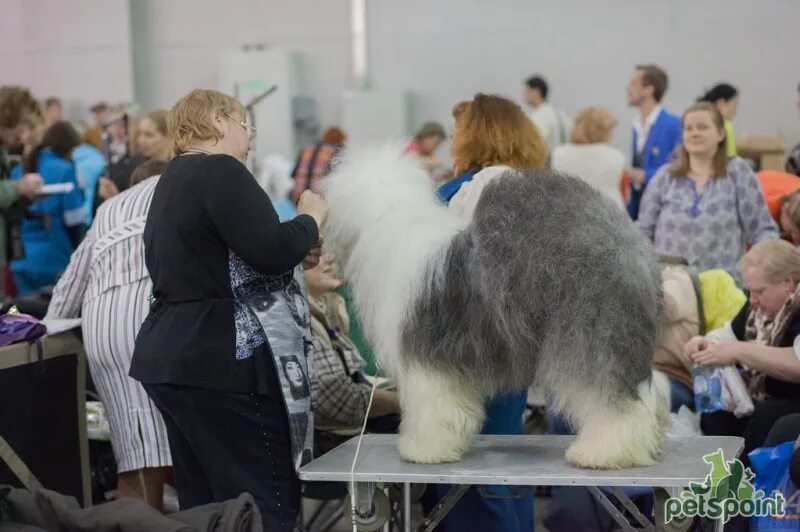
(250, 130)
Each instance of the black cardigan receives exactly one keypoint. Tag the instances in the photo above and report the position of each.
(776, 388)
(207, 218)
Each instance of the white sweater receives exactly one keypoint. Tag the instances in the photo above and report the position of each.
(465, 200)
(600, 165)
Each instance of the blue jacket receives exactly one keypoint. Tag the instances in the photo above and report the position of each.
(664, 136)
(90, 166)
(45, 240)
(447, 190)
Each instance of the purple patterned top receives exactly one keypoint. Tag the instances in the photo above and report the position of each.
(710, 228)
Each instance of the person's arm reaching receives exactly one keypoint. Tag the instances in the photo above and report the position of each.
(244, 217)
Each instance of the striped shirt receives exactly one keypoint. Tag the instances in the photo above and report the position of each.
(112, 254)
(107, 283)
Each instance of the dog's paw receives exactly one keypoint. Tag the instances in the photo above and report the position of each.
(428, 450)
(590, 455)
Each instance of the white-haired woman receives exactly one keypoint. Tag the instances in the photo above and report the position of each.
(223, 351)
(589, 154)
(764, 338)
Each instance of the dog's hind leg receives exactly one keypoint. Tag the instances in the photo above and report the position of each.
(440, 416)
(617, 432)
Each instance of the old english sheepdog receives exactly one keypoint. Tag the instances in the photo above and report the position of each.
(549, 284)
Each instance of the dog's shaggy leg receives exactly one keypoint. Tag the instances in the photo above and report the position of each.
(615, 435)
(440, 416)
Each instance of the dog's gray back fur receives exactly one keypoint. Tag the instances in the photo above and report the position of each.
(551, 283)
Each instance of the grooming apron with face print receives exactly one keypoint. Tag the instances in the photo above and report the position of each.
(274, 310)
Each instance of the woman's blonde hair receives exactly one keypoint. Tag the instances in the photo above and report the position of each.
(191, 119)
(159, 118)
(778, 260)
(680, 167)
(593, 125)
(490, 130)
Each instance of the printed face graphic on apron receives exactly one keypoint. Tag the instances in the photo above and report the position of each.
(273, 310)
(295, 376)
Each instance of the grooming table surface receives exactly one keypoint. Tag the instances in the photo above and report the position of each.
(527, 460)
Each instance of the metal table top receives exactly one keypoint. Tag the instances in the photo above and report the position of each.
(528, 460)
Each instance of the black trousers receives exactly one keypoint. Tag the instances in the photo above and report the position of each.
(753, 428)
(223, 444)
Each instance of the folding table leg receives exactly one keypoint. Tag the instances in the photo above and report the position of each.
(632, 509)
(618, 516)
(443, 507)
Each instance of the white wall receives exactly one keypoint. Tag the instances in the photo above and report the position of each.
(77, 50)
(441, 51)
(190, 36)
(447, 50)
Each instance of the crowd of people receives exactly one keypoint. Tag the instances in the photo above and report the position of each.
(212, 317)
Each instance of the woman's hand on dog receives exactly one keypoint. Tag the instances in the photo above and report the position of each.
(313, 205)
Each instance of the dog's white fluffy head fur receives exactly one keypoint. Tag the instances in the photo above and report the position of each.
(384, 224)
(369, 188)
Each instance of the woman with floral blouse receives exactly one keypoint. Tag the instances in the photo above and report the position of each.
(704, 206)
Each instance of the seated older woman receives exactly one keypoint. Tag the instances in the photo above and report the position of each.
(343, 394)
(764, 338)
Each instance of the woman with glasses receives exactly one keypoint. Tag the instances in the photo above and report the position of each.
(224, 346)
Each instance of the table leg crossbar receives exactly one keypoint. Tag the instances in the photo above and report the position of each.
(618, 515)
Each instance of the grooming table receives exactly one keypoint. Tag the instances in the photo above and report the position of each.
(528, 460)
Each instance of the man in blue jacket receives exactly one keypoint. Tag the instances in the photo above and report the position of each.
(656, 132)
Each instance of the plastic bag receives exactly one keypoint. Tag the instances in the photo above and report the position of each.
(771, 465)
(684, 424)
(735, 397)
(15, 327)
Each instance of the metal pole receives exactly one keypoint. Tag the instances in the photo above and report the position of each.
(387, 527)
(407, 507)
(358, 42)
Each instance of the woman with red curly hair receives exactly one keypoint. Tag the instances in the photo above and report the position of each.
(491, 135)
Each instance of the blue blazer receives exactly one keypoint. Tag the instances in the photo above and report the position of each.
(664, 136)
